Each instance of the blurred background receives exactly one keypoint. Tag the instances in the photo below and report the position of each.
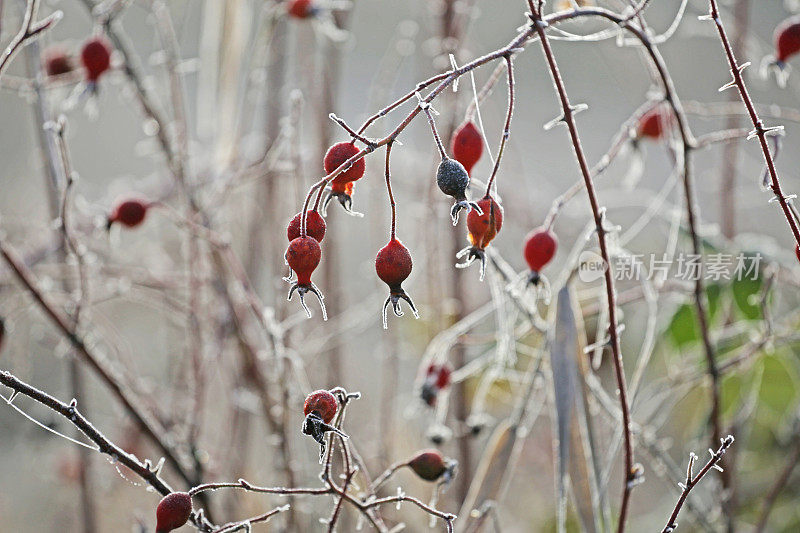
(252, 80)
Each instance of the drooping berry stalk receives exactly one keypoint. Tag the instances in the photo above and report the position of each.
(507, 126)
(393, 263)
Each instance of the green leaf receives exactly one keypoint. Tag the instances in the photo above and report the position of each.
(742, 291)
(778, 385)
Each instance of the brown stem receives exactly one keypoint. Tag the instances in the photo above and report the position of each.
(597, 213)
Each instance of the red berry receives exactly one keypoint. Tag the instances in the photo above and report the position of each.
(96, 57)
(483, 228)
(300, 8)
(321, 403)
(540, 247)
(430, 465)
(57, 61)
(173, 511)
(393, 265)
(787, 39)
(653, 123)
(437, 378)
(129, 212)
(337, 155)
(315, 226)
(467, 145)
(303, 256)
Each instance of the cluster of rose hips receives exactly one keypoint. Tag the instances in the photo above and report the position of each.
(393, 263)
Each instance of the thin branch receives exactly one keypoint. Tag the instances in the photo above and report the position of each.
(31, 29)
(692, 480)
(631, 474)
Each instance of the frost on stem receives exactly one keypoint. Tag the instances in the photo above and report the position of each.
(393, 265)
(483, 226)
(303, 256)
(453, 180)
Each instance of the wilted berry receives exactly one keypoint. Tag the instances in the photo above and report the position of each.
(482, 227)
(540, 247)
(96, 58)
(130, 212)
(437, 378)
(315, 226)
(173, 511)
(431, 466)
(467, 145)
(303, 256)
(393, 265)
(57, 61)
(320, 408)
(301, 9)
(453, 180)
(342, 185)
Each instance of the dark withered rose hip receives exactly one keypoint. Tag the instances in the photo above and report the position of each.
(453, 180)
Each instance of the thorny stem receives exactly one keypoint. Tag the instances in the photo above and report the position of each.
(759, 129)
(96, 362)
(598, 214)
(145, 470)
(245, 524)
(507, 127)
(692, 480)
(391, 196)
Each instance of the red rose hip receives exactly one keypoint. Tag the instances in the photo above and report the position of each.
(393, 265)
(430, 465)
(483, 227)
(130, 212)
(315, 226)
(540, 247)
(322, 404)
(341, 187)
(303, 256)
(173, 511)
(96, 57)
(467, 145)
